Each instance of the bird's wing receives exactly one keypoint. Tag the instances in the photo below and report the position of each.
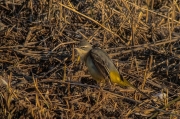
(101, 61)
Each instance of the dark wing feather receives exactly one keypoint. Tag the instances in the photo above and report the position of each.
(99, 58)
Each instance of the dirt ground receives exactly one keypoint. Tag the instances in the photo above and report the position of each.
(41, 76)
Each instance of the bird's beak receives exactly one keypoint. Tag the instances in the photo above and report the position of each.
(78, 50)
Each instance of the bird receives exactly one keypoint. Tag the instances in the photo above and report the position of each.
(101, 67)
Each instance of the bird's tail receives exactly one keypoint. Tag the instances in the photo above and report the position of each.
(144, 94)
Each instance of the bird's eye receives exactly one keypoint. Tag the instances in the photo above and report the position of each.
(83, 47)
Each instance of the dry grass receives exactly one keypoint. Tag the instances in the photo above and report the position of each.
(40, 76)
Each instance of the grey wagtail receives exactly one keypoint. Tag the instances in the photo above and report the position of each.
(101, 66)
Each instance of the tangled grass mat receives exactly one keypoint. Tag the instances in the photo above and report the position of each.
(41, 77)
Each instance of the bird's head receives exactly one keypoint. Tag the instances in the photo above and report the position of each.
(83, 49)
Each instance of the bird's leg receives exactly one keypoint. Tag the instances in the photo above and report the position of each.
(109, 85)
(101, 84)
